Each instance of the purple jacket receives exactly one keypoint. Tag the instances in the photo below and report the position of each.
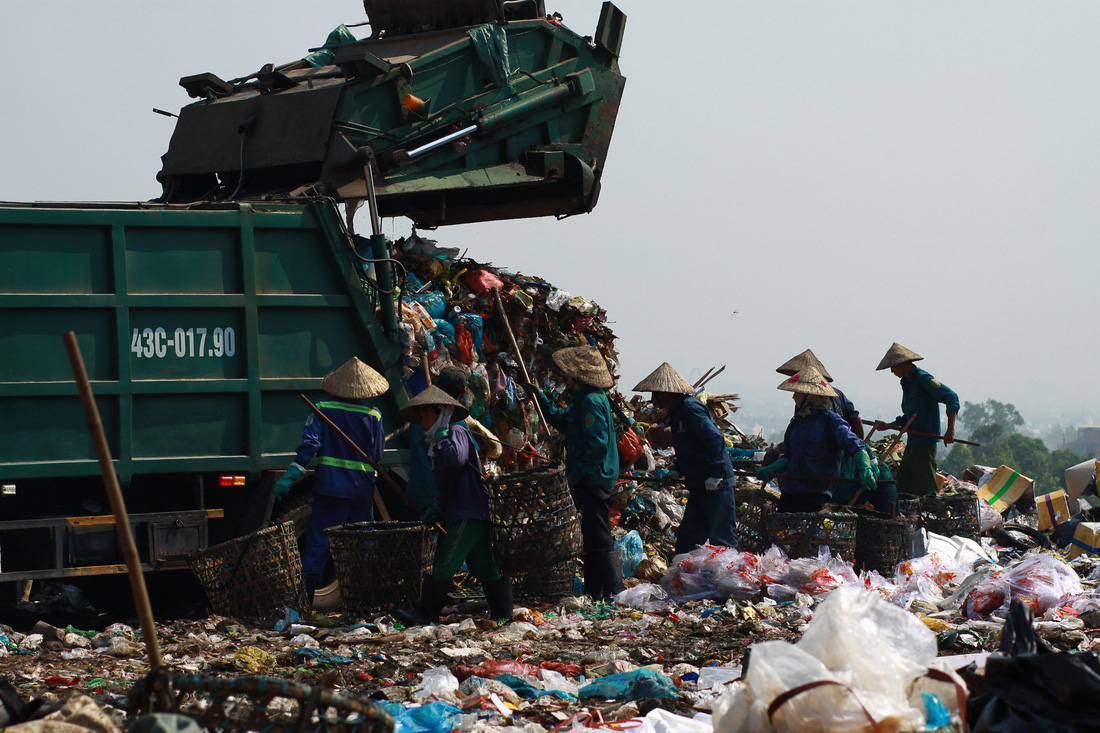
(457, 471)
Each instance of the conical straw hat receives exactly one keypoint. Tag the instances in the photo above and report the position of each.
(896, 356)
(797, 363)
(808, 381)
(435, 397)
(585, 364)
(355, 381)
(665, 379)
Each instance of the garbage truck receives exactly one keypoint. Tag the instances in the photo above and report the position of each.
(203, 315)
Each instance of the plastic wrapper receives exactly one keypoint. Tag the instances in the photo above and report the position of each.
(556, 299)
(813, 576)
(491, 668)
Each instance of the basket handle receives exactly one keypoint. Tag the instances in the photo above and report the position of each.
(782, 699)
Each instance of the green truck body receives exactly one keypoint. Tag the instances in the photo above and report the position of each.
(199, 329)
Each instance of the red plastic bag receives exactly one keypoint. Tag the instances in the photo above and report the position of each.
(630, 448)
(482, 281)
(465, 343)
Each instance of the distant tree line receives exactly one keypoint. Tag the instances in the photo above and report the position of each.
(995, 424)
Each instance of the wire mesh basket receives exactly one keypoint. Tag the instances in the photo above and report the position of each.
(545, 583)
(534, 520)
(252, 576)
(757, 505)
(380, 565)
(945, 514)
(245, 703)
(880, 540)
(800, 534)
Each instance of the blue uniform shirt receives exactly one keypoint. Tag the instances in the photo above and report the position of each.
(921, 394)
(700, 448)
(340, 471)
(816, 444)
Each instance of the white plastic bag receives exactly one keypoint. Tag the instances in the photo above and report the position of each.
(988, 517)
(436, 684)
(644, 596)
(1043, 582)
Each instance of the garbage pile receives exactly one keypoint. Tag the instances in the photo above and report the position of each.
(449, 315)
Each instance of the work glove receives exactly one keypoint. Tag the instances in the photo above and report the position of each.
(670, 477)
(432, 514)
(282, 486)
(768, 472)
(441, 434)
(713, 484)
(864, 472)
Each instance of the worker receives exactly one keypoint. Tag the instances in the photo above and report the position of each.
(452, 380)
(462, 507)
(701, 460)
(921, 396)
(591, 459)
(817, 439)
(840, 404)
(343, 485)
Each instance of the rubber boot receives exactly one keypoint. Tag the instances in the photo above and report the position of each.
(498, 593)
(594, 574)
(613, 578)
(433, 594)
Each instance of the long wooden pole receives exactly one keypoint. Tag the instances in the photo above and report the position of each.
(519, 357)
(118, 504)
(929, 435)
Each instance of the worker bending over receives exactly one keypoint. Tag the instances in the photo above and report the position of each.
(701, 460)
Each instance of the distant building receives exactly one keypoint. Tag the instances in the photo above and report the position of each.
(1088, 441)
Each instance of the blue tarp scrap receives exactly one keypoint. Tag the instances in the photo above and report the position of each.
(638, 684)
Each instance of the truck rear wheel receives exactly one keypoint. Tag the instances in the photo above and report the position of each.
(298, 510)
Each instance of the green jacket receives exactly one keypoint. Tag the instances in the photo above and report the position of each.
(921, 394)
(591, 453)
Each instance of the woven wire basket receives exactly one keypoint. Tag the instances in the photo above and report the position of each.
(952, 514)
(751, 513)
(945, 514)
(534, 520)
(244, 704)
(800, 534)
(545, 583)
(251, 576)
(880, 541)
(380, 565)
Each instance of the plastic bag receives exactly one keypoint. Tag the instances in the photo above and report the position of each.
(631, 552)
(644, 596)
(1043, 582)
(556, 299)
(482, 281)
(436, 683)
(434, 303)
(635, 685)
(1031, 688)
(989, 596)
(988, 517)
(849, 623)
(630, 448)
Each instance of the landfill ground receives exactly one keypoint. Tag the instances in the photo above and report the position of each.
(372, 655)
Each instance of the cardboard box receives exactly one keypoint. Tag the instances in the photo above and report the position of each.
(1078, 477)
(1053, 509)
(1004, 487)
(1085, 540)
(941, 481)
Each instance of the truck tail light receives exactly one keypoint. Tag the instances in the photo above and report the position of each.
(225, 481)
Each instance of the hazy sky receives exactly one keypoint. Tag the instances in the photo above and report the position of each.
(831, 175)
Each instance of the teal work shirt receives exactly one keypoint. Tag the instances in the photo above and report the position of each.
(921, 395)
(591, 455)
